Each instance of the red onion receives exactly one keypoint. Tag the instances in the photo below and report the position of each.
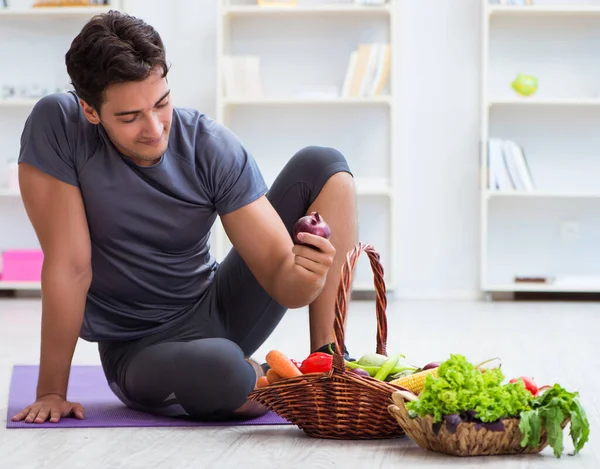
(431, 365)
(359, 372)
(313, 224)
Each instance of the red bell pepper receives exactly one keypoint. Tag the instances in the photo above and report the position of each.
(317, 362)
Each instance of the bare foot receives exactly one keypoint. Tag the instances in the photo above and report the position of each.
(252, 409)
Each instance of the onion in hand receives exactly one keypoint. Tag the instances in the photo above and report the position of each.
(312, 224)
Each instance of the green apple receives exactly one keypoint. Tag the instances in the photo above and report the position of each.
(525, 85)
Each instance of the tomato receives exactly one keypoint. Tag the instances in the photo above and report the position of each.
(528, 382)
(317, 362)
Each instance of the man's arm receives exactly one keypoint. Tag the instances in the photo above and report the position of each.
(293, 275)
(58, 217)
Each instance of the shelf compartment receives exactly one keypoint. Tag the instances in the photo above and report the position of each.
(362, 137)
(530, 237)
(300, 62)
(560, 51)
(560, 145)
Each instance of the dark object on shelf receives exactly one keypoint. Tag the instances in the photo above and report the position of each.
(541, 279)
(5, 3)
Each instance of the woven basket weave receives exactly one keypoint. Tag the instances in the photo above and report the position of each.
(340, 404)
(468, 439)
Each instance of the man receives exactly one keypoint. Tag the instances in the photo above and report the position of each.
(122, 189)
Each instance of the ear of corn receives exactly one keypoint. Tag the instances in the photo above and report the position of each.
(415, 382)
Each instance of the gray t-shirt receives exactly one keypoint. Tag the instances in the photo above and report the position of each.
(149, 226)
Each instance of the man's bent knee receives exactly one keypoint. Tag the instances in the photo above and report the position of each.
(317, 157)
(227, 378)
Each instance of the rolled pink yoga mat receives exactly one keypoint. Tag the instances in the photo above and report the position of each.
(88, 386)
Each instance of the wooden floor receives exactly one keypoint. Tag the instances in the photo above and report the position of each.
(553, 342)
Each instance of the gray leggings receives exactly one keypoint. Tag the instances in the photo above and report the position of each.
(197, 368)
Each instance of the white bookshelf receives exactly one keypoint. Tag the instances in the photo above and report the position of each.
(35, 41)
(548, 230)
(310, 45)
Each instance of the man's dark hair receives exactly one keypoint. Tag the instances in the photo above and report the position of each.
(113, 48)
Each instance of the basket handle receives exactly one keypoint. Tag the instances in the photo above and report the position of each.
(341, 303)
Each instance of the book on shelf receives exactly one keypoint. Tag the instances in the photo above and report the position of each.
(568, 281)
(242, 77)
(539, 279)
(508, 169)
(368, 70)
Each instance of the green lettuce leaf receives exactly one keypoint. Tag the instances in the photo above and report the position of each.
(580, 426)
(461, 387)
(549, 411)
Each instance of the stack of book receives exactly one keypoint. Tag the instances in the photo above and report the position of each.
(368, 70)
(508, 169)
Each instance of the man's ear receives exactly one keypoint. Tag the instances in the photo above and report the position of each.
(89, 112)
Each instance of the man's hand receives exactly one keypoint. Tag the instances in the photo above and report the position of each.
(54, 406)
(316, 262)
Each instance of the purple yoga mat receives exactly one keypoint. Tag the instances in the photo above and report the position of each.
(88, 386)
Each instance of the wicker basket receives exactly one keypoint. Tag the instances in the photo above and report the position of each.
(468, 440)
(340, 404)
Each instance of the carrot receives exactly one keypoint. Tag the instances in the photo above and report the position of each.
(262, 382)
(282, 365)
(273, 377)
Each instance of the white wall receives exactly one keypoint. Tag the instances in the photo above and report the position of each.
(438, 210)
